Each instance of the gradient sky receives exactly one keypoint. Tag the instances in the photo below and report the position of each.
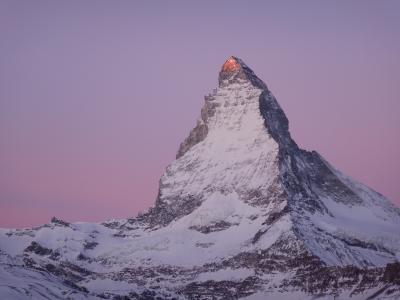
(95, 97)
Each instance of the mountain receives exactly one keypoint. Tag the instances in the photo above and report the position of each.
(242, 212)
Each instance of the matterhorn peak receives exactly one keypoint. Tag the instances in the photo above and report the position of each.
(241, 148)
(242, 212)
(232, 64)
(234, 70)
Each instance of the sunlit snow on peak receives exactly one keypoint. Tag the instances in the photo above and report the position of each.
(231, 65)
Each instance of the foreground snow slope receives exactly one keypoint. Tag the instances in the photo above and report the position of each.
(241, 213)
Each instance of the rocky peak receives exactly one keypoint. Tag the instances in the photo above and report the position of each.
(243, 120)
(234, 70)
(235, 74)
(241, 152)
(231, 65)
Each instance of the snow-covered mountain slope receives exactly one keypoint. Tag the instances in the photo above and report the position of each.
(245, 152)
(241, 213)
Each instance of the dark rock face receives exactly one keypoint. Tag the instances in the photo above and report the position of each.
(195, 136)
(60, 222)
(199, 132)
(275, 120)
(90, 245)
(212, 289)
(38, 249)
(392, 273)
(163, 214)
(217, 226)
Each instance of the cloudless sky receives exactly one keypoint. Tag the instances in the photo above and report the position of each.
(95, 96)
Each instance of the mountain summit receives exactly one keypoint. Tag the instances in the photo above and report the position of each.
(233, 69)
(242, 212)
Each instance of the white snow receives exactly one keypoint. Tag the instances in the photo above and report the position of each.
(375, 222)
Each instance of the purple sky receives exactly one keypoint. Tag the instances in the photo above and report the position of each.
(95, 97)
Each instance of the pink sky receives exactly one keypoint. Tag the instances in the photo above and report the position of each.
(95, 97)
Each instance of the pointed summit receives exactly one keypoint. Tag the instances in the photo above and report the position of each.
(231, 65)
(253, 92)
(234, 70)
